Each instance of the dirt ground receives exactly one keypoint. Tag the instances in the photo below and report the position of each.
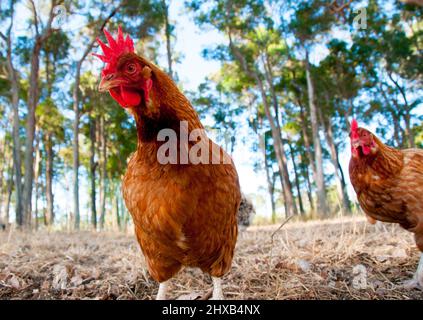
(335, 259)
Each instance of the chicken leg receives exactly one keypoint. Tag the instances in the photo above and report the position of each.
(417, 280)
(163, 288)
(419, 272)
(217, 289)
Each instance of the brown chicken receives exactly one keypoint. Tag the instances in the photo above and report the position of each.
(389, 185)
(184, 208)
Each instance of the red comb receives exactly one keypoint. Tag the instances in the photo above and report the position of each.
(115, 47)
(354, 127)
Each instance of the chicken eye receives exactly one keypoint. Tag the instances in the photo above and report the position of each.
(131, 68)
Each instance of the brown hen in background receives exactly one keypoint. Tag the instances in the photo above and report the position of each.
(389, 185)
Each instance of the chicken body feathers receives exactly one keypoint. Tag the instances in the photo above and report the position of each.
(389, 187)
(184, 215)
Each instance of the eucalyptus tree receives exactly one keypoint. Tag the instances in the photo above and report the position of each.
(338, 85)
(92, 30)
(388, 56)
(311, 20)
(216, 98)
(50, 119)
(6, 155)
(13, 79)
(42, 30)
(51, 123)
(402, 61)
(169, 30)
(250, 36)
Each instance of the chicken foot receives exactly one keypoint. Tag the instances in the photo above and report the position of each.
(163, 288)
(417, 280)
(217, 289)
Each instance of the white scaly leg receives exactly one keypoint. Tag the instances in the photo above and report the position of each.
(217, 289)
(419, 272)
(163, 288)
(417, 280)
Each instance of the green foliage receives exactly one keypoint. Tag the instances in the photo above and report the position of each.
(120, 127)
(215, 99)
(310, 19)
(50, 119)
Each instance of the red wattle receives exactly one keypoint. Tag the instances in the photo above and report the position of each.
(116, 95)
(366, 150)
(130, 98)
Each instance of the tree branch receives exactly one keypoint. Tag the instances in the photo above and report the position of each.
(415, 2)
(334, 6)
(34, 12)
(399, 88)
(103, 25)
(9, 30)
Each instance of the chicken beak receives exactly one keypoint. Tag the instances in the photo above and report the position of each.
(108, 82)
(355, 143)
(105, 85)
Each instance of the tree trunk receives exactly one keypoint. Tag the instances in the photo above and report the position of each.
(103, 173)
(343, 181)
(39, 40)
(9, 193)
(6, 183)
(288, 187)
(168, 33)
(309, 189)
(3, 170)
(343, 196)
(397, 130)
(407, 116)
(408, 130)
(13, 77)
(37, 193)
(320, 180)
(272, 197)
(297, 180)
(270, 80)
(93, 166)
(125, 214)
(269, 177)
(118, 218)
(291, 208)
(49, 179)
(76, 100)
(395, 117)
(30, 132)
(307, 143)
(37, 169)
(76, 214)
(281, 159)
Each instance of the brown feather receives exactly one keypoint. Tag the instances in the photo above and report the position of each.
(389, 186)
(184, 215)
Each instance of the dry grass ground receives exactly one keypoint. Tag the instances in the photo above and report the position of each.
(336, 259)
